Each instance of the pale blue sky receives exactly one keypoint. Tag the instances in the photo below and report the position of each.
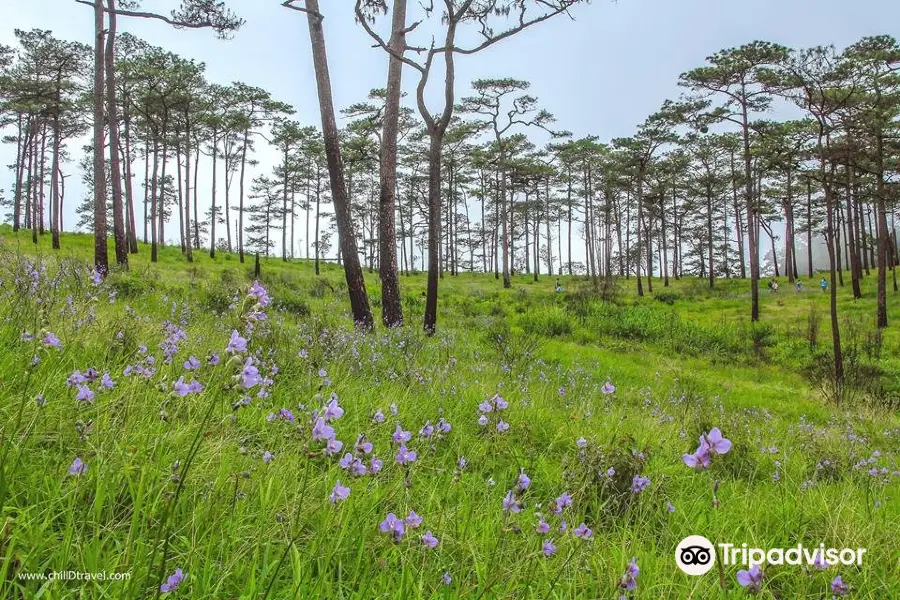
(601, 74)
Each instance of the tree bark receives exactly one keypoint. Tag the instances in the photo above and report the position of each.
(112, 117)
(101, 258)
(359, 300)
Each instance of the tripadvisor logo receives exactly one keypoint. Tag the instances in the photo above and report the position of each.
(696, 555)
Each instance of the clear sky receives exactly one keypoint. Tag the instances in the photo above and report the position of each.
(600, 74)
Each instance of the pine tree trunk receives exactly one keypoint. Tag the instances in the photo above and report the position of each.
(101, 258)
(359, 300)
(121, 239)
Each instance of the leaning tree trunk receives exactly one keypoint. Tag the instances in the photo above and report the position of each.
(356, 286)
(101, 259)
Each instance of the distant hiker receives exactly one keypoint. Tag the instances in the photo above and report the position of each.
(799, 286)
(824, 285)
(558, 287)
(774, 286)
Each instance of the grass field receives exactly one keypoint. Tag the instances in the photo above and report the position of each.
(203, 472)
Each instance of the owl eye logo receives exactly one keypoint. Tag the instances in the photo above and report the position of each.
(695, 555)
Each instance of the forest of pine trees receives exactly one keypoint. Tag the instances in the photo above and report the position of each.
(708, 186)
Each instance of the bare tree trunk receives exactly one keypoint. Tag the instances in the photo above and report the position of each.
(240, 230)
(359, 299)
(129, 183)
(188, 247)
(391, 307)
(213, 214)
(101, 258)
(121, 240)
(504, 226)
(880, 192)
(21, 150)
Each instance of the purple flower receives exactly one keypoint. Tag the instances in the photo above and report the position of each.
(333, 412)
(583, 531)
(78, 467)
(323, 372)
(429, 541)
(752, 579)
(446, 578)
(286, 414)
(191, 363)
(405, 455)
(608, 388)
(182, 389)
(500, 403)
(401, 436)
(333, 447)
(375, 465)
(461, 463)
(394, 410)
(717, 443)
(413, 520)
(502, 426)
(339, 493)
(483, 420)
(236, 343)
(107, 382)
(75, 378)
(700, 459)
(511, 503)
(542, 527)
(84, 394)
(563, 526)
(268, 457)
(611, 472)
(629, 578)
(393, 526)
(357, 468)
(259, 292)
(321, 431)
(346, 461)
(172, 582)
(51, 341)
(670, 507)
(443, 426)
(363, 446)
(213, 359)
(838, 587)
(563, 502)
(378, 417)
(819, 561)
(523, 482)
(486, 406)
(249, 375)
(427, 430)
(639, 484)
(581, 443)
(548, 548)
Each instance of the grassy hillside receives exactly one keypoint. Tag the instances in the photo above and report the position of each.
(233, 483)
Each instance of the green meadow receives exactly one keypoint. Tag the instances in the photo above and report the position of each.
(201, 465)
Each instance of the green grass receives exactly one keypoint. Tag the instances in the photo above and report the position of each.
(240, 528)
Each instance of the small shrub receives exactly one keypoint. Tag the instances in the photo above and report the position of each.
(291, 304)
(813, 325)
(667, 297)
